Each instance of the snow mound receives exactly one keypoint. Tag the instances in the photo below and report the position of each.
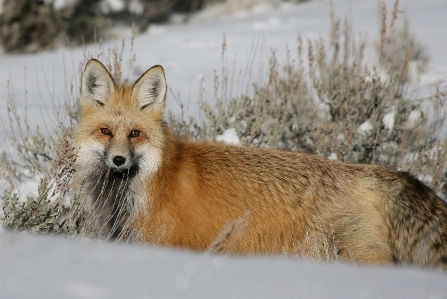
(50, 267)
(415, 118)
(388, 120)
(365, 128)
(229, 136)
(27, 189)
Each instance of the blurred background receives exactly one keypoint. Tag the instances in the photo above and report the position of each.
(32, 25)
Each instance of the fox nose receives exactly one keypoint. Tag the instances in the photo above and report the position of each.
(119, 160)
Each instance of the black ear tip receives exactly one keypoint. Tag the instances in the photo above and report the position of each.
(157, 68)
(93, 61)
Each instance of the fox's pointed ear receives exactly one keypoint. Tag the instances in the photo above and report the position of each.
(149, 92)
(97, 86)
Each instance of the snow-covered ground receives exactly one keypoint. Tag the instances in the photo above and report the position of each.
(50, 267)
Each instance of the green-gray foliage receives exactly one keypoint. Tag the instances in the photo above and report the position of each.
(337, 106)
(34, 215)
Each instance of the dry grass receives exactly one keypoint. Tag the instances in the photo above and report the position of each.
(57, 209)
(227, 237)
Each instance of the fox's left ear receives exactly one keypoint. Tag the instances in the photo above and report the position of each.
(149, 92)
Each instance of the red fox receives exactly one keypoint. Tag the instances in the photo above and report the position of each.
(141, 181)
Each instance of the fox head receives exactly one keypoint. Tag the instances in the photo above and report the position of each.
(121, 126)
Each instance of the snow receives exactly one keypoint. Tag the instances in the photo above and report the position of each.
(333, 156)
(135, 7)
(51, 267)
(388, 120)
(236, 8)
(365, 128)
(381, 75)
(426, 179)
(27, 189)
(415, 118)
(108, 6)
(61, 4)
(229, 136)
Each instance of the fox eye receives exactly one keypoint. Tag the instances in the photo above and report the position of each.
(134, 133)
(106, 131)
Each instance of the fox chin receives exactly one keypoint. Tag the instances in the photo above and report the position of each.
(141, 182)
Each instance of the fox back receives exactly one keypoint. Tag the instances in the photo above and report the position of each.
(141, 182)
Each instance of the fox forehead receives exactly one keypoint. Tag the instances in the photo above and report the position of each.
(120, 111)
(120, 102)
(123, 96)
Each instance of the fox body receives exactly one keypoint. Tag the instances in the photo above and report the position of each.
(139, 180)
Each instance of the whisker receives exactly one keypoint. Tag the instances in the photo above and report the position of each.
(116, 210)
